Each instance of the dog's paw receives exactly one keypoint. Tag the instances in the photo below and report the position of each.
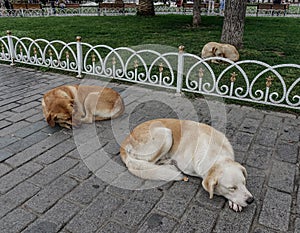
(234, 206)
(185, 179)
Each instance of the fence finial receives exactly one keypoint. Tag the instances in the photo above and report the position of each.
(181, 49)
(78, 38)
(269, 81)
(8, 32)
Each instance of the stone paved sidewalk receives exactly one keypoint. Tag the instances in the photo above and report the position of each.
(48, 181)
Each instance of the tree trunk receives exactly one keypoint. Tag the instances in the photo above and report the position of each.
(196, 14)
(146, 8)
(234, 21)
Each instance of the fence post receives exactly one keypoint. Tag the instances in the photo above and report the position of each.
(11, 48)
(180, 65)
(79, 56)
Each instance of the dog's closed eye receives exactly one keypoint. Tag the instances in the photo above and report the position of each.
(232, 189)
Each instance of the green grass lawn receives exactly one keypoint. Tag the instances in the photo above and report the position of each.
(270, 39)
(274, 40)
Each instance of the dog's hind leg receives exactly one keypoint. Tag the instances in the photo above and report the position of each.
(155, 144)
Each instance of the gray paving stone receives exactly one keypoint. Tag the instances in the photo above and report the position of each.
(17, 176)
(125, 180)
(275, 212)
(10, 100)
(5, 115)
(157, 223)
(48, 196)
(4, 169)
(80, 172)
(23, 116)
(192, 222)
(8, 107)
(16, 197)
(30, 129)
(4, 123)
(298, 201)
(282, 176)
(266, 137)
(272, 122)
(42, 227)
(12, 128)
(255, 184)
(287, 152)
(34, 118)
(259, 139)
(242, 141)
(53, 171)
(56, 152)
(37, 149)
(95, 215)
(113, 227)
(5, 154)
(87, 191)
(202, 199)
(230, 221)
(120, 192)
(290, 133)
(297, 225)
(27, 106)
(259, 157)
(54, 219)
(19, 216)
(137, 207)
(263, 230)
(250, 125)
(177, 198)
(7, 140)
(22, 144)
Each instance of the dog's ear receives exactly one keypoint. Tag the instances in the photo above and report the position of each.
(244, 171)
(209, 184)
(214, 50)
(70, 106)
(51, 120)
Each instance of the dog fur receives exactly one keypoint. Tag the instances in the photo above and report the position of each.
(72, 105)
(166, 149)
(214, 49)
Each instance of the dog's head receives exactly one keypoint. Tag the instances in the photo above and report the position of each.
(60, 111)
(228, 180)
(218, 51)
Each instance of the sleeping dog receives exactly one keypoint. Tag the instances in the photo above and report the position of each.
(166, 149)
(72, 105)
(214, 49)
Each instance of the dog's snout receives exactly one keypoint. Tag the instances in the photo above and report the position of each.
(249, 200)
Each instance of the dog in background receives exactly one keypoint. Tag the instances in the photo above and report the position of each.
(169, 149)
(214, 49)
(72, 105)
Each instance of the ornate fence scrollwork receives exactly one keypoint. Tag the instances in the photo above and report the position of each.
(246, 80)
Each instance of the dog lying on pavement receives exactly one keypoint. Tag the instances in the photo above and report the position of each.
(72, 105)
(214, 49)
(166, 149)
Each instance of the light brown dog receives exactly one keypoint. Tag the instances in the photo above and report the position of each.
(72, 105)
(166, 149)
(214, 49)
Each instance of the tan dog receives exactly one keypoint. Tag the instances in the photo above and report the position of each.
(72, 105)
(214, 49)
(166, 149)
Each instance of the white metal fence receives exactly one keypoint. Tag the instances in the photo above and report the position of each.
(246, 80)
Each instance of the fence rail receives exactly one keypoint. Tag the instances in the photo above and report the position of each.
(246, 80)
